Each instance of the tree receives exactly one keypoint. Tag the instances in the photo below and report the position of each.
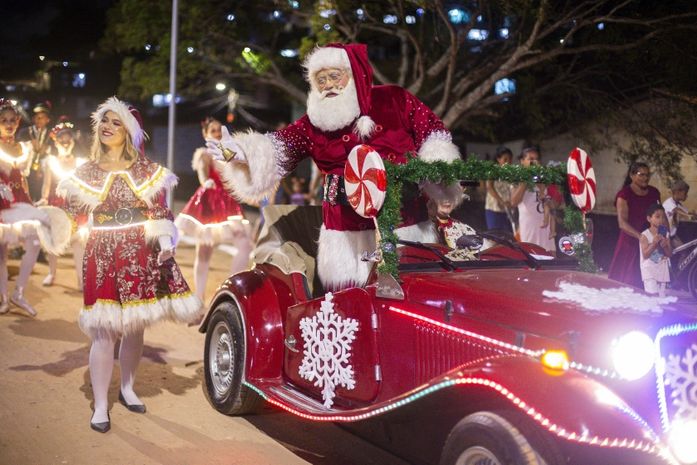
(490, 68)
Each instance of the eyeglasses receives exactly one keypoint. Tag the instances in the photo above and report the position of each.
(333, 76)
(643, 174)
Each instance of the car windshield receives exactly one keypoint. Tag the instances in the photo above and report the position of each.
(481, 249)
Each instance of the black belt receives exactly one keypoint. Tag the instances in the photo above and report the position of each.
(120, 217)
(334, 190)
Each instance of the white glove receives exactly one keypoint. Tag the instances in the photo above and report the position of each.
(6, 192)
(166, 249)
(226, 149)
(209, 184)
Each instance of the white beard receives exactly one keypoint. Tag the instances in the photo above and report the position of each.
(331, 114)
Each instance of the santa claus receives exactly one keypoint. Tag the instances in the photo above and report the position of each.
(344, 109)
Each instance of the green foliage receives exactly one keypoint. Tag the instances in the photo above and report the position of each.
(574, 222)
(416, 171)
(569, 71)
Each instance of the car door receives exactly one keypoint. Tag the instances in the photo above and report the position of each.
(331, 348)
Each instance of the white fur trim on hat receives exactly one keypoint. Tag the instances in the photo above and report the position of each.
(325, 57)
(120, 107)
(364, 126)
(439, 146)
(441, 192)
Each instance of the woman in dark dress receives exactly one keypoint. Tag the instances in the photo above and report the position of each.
(631, 203)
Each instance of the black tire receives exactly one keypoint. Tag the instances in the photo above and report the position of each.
(486, 438)
(692, 280)
(224, 360)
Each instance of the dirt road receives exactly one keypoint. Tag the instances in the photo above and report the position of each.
(45, 397)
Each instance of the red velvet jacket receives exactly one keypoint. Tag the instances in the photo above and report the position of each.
(402, 124)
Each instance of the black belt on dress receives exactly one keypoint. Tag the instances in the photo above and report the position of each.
(334, 190)
(120, 217)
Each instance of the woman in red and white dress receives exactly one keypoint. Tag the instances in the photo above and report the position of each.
(19, 219)
(212, 216)
(58, 165)
(130, 277)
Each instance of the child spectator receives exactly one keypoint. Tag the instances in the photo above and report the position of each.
(656, 250)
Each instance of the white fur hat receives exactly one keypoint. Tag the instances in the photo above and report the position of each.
(128, 114)
(325, 57)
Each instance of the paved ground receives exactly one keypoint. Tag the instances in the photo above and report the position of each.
(45, 398)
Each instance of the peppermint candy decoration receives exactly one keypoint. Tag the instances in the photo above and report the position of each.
(581, 179)
(365, 181)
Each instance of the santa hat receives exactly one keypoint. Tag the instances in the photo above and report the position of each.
(64, 124)
(355, 57)
(128, 115)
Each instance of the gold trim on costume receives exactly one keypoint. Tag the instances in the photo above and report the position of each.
(135, 303)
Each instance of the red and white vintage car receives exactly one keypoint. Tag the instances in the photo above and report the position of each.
(512, 358)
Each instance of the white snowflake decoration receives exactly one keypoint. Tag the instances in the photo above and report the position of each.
(681, 376)
(328, 338)
(616, 298)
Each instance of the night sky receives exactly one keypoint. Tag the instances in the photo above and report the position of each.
(61, 30)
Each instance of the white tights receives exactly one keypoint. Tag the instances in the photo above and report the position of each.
(202, 262)
(101, 366)
(31, 251)
(78, 252)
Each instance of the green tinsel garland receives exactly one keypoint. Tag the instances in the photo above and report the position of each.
(416, 171)
(575, 224)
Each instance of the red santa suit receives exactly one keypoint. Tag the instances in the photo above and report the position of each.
(388, 118)
(211, 215)
(20, 219)
(125, 289)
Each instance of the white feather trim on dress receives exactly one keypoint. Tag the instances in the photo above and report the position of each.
(439, 146)
(88, 196)
(259, 176)
(156, 228)
(339, 261)
(227, 232)
(107, 315)
(21, 222)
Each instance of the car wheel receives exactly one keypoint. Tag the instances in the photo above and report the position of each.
(486, 438)
(223, 360)
(692, 280)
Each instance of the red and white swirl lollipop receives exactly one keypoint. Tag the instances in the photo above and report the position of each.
(581, 179)
(365, 180)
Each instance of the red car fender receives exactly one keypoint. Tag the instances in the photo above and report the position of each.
(255, 296)
(568, 404)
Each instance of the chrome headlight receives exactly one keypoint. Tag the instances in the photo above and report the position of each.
(633, 355)
(682, 441)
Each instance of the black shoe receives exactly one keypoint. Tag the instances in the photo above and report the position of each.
(101, 427)
(135, 408)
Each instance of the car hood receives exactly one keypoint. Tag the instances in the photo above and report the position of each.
(545, 302)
